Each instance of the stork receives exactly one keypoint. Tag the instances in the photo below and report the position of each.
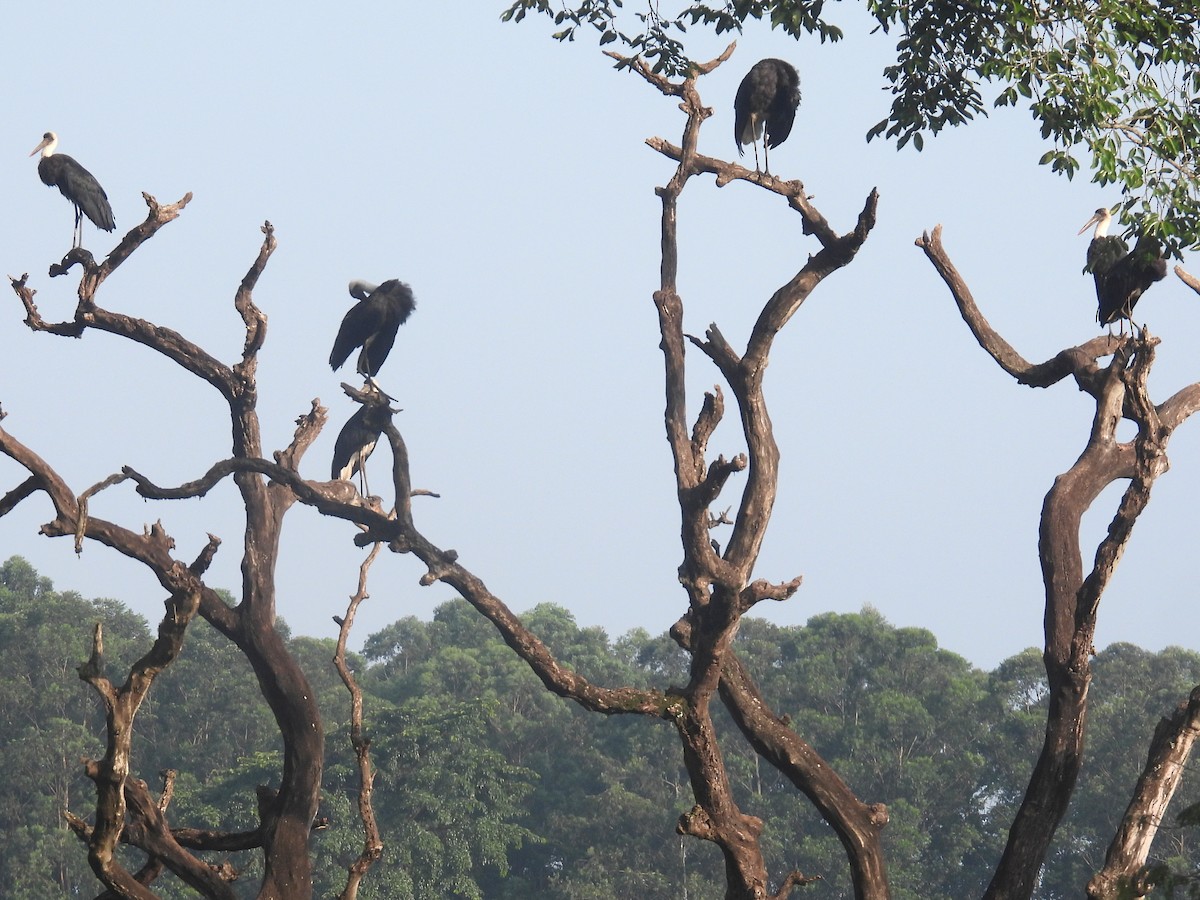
(765, 107)
(75, 183)
(372, 324)
(1121, 276)
(357, 439)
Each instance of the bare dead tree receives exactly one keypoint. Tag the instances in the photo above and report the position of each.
(285, 814)
(1073, 597)
(720, 586)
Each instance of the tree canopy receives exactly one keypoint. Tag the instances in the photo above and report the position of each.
(488, 786)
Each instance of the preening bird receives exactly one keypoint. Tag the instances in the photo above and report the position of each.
(765, 107)
(75, 183)
(1121, 276)
(372, 324)
(356, 441)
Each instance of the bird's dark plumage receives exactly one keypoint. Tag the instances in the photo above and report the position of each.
(1121, 276)
(765, 106)
(75, 183)
(372, 324)
(356, 441)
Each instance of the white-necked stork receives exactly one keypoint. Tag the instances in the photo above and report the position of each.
(1121, 276)
(765, 107)
(372, 324)
(356, 441)
(75, 183)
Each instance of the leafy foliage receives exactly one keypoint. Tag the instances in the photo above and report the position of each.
(1115, 79)
(660, 37)
(1112, 82)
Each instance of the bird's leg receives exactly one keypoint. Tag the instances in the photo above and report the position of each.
(766, 155)
(77, 232)
(362, 479)
(374, 386)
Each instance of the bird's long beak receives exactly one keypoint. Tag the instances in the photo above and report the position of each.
(40, 147)
(1089, 223)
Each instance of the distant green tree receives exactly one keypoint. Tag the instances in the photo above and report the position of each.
(449, 798)
(447, 803)
(583, 812)
(204, 733)
(49, 721)
(606, 789)
(903, 721)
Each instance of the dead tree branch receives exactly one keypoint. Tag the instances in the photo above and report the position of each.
(1174, 738)
(372, 842)
(1188, 278)
(1073, 600)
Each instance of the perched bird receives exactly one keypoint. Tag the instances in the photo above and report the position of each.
(356, 441)
(75, 183)
(1121, 276)
(765, 107)
(372, 324)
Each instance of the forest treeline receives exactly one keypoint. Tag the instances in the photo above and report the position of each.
(489, 786)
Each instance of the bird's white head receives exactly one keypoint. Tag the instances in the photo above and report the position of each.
(361, 290)
(1101, 218)
(48, 144)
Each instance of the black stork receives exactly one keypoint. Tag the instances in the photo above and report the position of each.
(75, 183)
(357, 439)
(372, 324)
(765, 107)
(1121, 276)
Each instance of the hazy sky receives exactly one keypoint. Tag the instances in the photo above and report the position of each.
(505, 177)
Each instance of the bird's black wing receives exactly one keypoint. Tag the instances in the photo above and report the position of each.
(346, 447)
(1105, 252)
(782, 112)
(377, 347)
(372, 325)
(358, 325)
(394, 303)
(399, 297)
(79, 186)
(742, 112)
(1121, 287)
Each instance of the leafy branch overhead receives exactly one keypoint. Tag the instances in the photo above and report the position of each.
(1113, 83)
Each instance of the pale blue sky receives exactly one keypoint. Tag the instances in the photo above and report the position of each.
(504, 176)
